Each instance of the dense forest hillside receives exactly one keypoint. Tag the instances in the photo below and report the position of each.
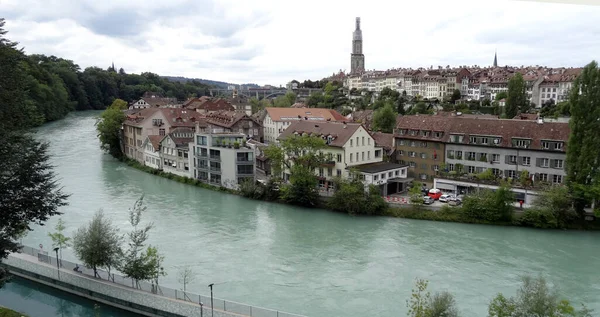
(214, 83)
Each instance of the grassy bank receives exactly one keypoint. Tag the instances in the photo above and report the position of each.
(5, 312)
(445, 214)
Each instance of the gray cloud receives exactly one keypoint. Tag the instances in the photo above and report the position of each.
(116, 23)
(243, 54)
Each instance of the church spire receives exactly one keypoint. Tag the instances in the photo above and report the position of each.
(496, 59)
(357, 59)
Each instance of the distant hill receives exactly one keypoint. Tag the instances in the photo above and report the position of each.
(215, 83)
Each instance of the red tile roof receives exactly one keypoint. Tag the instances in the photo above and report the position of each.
(290, 114)
(340, 132)
(155, 141)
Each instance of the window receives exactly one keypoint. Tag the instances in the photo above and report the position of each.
(512, 159)
(558, 163)
(511, 173)
(521, 143)
(377, 153)
(413, 143)
(375, 177)
(339, 158)
(545, 145)
(545, 162)
(543, 177)
(557, 179)
(350, 142)
(426, 133)
(495, 158)
(435, 167)
(525, 160)
(472, 139)
(450, 154)
(350, 157)
(369, 141)
(412, 164)
(459, 155)
(357, 156)
(363, 141)
(484, 141)
(413, 132)
(471, 169)
(201, 140)
(412, 154)
(161, 131)
(400, 142)
(558, 146)
(396, 173)
(320, 172)
(338, 172)
(438, 134)
(383, 176)
(356, 141)
(362, 156)
(471, 156)
(423, 176)
(450, 167)
(245, 169)
(423, 155)
(329, 171)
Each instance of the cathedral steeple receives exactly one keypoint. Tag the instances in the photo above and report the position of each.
(357, 59)
(495, 59)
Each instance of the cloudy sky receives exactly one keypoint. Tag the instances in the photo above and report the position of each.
(275, 41)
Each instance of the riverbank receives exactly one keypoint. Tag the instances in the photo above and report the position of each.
(5, 312)
(424, 212)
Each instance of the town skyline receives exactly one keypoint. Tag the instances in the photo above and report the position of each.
(241, 43)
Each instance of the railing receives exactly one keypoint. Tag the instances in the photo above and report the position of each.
(215, 169)
(215, 157)
(221, 304)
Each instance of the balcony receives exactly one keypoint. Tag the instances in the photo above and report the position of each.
(330, 163)
(215, 157)
(202, 167)
(202, 155)
(215, 169)
(244, 160)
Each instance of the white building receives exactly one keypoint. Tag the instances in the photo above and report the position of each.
(174, 151)
(222, 159)
(350, 147)
(151, 148)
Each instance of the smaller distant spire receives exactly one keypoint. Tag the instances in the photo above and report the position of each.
(496, 59)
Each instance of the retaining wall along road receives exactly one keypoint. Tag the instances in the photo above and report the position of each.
(119, 292)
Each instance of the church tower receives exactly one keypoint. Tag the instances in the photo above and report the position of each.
(357, 58)
(496, 59)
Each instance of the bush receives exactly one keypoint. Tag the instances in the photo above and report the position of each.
(350, 197)
(552, 209)
(490, 206)
(5, 312)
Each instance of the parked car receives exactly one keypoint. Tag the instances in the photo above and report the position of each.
(435, 193)
(444, 198)
(428, 200)
(454, 201)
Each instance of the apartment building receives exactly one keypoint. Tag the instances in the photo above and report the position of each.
(174, 151)
(276, 120)
(236, 121)
(154, 100)
(350, 146)
(222, 158)
(206, 105)
(154, 121)
(151, 151)
(420, 144)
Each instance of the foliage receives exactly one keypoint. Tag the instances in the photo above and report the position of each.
(302, 189)
(185, 276)
(5, 312)
(250, 189)
(550, 109)
(351, 197)
(422, 304)
(583, 152)
(109, 128)
(534, 298)
(98, 244)
(516, 100)
(331, 97)
(488, 205)
(552, 209)
(501, 95)
(138, 264)
(486, 175)
(29, 192)
(59, 240)
(384, 119)
(415, 194)
(456, 95)
(421, 108)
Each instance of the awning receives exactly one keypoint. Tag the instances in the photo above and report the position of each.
(445, 186)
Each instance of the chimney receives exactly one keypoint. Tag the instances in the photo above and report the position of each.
(540, 120)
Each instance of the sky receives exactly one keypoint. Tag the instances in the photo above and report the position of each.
(275, 41)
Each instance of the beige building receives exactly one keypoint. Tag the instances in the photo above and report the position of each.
(174, 151)
(350, 146)
(276, 120)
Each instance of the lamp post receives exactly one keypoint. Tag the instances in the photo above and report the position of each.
(201, 309)
(212, 306)
(57, 264)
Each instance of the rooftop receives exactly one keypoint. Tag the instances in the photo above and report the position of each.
(339, 132)
(311, 114)
(377, 167)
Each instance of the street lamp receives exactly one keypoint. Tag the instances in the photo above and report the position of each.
(201, 309)
(57, 264)
(212, 306)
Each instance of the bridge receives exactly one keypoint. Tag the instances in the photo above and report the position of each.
(258, 93)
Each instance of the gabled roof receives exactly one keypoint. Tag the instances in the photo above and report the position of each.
(154, 140)
(210, 105)
(228, 118)
(339, 131)
(181, 136)
(175, 117)
(312, 114)
(385, 140)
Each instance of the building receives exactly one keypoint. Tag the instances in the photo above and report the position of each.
(276, 120)
(222, 158)
(420, 144)
(350, 146)
(236, 121)
(209, 105)
(174, 151)
(154, 121)
(263, 165)
(151, 151)
(437, 147)
(154, 100)
(357, 58)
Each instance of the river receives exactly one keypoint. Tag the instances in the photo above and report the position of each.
(310, 262)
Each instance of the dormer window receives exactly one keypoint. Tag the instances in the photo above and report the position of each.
(472, 140)
(521, 143)
(558, 146)
(413, 132)
(438, 134)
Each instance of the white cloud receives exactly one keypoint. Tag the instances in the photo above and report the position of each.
(271, 41)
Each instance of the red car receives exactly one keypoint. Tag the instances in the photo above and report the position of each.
(435, 193)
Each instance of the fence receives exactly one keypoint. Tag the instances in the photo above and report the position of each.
(221, 304)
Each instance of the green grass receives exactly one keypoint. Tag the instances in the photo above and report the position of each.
(5, 312)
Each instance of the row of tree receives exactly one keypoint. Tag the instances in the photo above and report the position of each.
(29, 191)
(534, 298)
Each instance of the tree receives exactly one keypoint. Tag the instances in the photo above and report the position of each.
(415, 194)
(553, 208)
(98, 244)
(488, 205)
(185, 276)
(534, 298)
(300, 156)
(443, 305)
(422, 304)
(456, 95)
(59, 240)
(516, 100)
(352, 197)
(384, 119)
(501, 95)
(583, 152)
(109, 128)
(138, 264)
